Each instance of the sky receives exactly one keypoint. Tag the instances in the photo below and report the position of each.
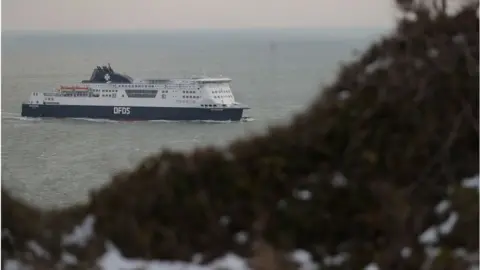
(74, 15)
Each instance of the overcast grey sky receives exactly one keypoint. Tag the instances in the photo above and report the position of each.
(175, 14)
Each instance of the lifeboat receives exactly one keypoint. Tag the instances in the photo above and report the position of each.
(72, 88)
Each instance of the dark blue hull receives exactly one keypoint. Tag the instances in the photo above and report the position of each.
(132, 113)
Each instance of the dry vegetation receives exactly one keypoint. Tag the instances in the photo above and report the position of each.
(360, 173)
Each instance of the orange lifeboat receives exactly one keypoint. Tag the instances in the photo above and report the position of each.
(73, 88)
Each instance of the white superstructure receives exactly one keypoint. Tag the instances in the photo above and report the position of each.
(201, 92)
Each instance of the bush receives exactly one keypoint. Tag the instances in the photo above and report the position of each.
(359, 174)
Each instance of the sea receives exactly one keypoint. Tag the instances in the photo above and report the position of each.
(53, 163)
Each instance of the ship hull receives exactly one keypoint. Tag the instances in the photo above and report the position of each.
(131, 113)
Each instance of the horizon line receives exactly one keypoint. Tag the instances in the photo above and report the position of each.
(342, 28)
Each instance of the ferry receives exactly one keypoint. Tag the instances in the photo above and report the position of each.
(114, 96)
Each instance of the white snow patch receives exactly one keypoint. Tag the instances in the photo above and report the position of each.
(371, 266)
(339, 180)
(241, 237)
(432, 53)
(470, 182)
(304, 259)
(431, 252)
(344, 95)
(410, 16)
(303, 194)
(15, 265)
(38, 250)
(197, 258)
(224, 220)
(68, 258)
(336, 260)
(230, 262)
(430, 236)
(81, 233)
(459, 38)
(113, 260)
(447, 226)
(442, 207)
(379, 64)
(406, 252)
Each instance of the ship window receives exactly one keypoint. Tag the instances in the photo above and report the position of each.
(141, 93)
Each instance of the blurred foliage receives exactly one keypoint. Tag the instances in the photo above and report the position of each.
(360, 172)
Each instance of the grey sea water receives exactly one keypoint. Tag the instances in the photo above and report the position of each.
(54, 163)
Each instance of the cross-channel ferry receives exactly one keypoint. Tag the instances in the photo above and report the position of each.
(113, 96)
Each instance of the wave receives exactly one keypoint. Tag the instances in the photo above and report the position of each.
(17, 116)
